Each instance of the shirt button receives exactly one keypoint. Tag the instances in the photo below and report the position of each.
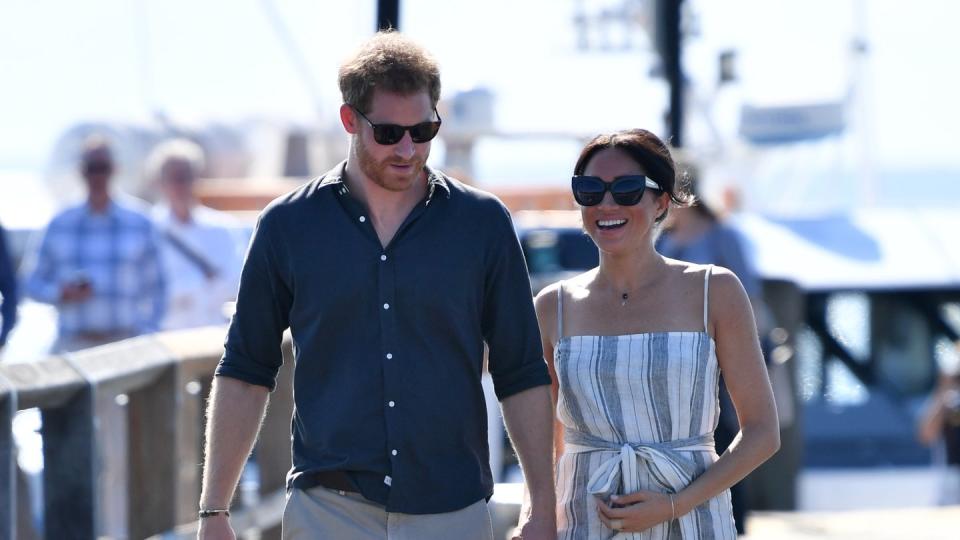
(383, 257)
(393, 452)
(391, 404)
(362, 219)
(386, 306)
(389, 356)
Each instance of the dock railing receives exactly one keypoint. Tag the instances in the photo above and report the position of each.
(162, 381)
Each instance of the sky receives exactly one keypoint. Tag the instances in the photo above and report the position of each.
(225, 60)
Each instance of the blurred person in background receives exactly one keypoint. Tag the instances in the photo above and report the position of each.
(99, 263)
(940, 428)
(696, 234)
(638, 344)
(200, 247)
(8, 291)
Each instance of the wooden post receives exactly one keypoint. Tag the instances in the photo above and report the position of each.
(47, 384)
(70, 470)
(153, 414)
(773, 486)
(8, 464)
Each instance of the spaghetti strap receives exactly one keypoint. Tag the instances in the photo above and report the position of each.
(706, 298)
(559, 311)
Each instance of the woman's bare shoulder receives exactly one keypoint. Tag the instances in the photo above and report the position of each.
(546, 301)
(547, 297)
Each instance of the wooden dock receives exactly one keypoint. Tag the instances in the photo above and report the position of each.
(940, 523)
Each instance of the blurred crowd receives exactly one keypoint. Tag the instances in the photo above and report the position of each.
(115, 267)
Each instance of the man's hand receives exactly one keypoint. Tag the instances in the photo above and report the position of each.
(529, 419)
(75, 292)
(216, 528)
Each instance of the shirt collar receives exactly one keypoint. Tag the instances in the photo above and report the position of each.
(436, 179)
(109, 211)
(336, 175)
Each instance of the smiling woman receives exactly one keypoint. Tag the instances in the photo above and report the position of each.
(637, 347)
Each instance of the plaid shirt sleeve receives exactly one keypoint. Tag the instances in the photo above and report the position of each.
(41, 283)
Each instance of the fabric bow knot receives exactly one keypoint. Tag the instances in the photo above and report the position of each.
(619, 473)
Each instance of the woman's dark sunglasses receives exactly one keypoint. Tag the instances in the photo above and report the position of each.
(392, 133)
(626, 190)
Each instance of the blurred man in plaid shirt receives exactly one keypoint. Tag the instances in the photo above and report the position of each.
(99, 263)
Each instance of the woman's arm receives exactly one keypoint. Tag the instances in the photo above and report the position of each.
(738, 353)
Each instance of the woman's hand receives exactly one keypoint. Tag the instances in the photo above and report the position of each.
(637, 511)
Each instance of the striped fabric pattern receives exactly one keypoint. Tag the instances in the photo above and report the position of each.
(637, 390)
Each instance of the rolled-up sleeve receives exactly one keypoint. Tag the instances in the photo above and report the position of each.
(253, 346)
(509, 322)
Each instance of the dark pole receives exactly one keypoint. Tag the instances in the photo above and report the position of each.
(668, 22)
(388, 14)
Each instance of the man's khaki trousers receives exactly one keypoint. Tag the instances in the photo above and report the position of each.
(321, 513)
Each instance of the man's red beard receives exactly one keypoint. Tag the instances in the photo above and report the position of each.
(382, 174)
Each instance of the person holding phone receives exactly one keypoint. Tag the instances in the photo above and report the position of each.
(99, 263)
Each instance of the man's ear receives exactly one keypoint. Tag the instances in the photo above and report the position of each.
(349, 119)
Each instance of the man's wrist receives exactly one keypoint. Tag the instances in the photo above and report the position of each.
(213, 512)
(541, 511)
(542, 500)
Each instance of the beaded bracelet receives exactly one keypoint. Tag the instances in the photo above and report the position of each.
(211, 513)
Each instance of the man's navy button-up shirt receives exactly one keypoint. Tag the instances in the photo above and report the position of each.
(389, 342)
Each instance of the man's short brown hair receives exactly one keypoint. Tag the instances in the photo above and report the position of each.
(391, 62)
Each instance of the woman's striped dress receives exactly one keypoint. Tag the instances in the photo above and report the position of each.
(638, 412)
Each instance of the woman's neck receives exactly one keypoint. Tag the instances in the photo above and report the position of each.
(631, 271)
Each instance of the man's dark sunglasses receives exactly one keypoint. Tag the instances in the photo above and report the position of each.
(626, 190)
(97, 167)
(392, 133)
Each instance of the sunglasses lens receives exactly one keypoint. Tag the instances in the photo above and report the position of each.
(387, 133)
(424, 131)
(588, 191)
(628, 191)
